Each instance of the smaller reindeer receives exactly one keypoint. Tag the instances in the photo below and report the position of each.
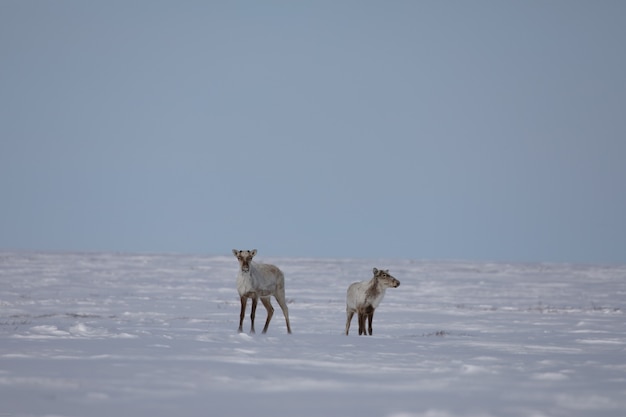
(257, 280)
(365, 296)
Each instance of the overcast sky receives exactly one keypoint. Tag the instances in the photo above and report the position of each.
(478, 130)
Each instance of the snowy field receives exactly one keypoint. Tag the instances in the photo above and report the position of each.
(156, 335)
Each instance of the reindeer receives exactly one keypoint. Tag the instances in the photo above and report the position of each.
(257, 280)
(365, 296)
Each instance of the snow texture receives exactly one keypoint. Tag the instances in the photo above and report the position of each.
(156, 335)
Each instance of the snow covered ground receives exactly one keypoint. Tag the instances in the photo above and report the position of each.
(155, 335)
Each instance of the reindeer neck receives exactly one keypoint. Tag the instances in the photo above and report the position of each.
(374, 283)
(374, 288)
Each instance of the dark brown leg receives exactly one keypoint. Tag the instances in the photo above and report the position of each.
(370, 317)
(270, 312)
(361, 317)
(253, 314)
(242, 315)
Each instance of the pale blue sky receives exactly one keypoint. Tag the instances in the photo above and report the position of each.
(486, 130)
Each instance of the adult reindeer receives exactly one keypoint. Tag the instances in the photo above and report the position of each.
(365, 296)
(257, 280)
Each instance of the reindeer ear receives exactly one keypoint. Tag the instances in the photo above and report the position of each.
(235, 252)
(253, 252)
(375, 271)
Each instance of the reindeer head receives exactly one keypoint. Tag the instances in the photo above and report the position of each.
(384, 278)
(244, 257)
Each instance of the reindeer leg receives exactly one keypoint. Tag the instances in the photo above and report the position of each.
(242, 315)
(253, 313)
(361, 317)
(283, 306)
(370, 317)
(349, 315)
(270, 312)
